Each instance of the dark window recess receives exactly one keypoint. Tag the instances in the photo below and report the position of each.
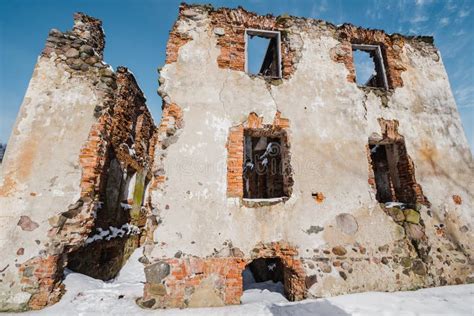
(266, 269)
(100, 260)
(369, 66)
(393, 173)
(265, 161)
(263, 53)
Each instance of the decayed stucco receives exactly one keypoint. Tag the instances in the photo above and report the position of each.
(47, 136)
(84, 136)
(331, 120)
(77, 164)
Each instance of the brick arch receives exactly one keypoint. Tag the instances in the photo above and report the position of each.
(294, 274)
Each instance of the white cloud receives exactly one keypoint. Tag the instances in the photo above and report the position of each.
(463, 13)
(419, 18)
(373, 14)
(375, 10)
(450, 5)
(364, 66)
(421, 3)
(465, 96)
(319, 8)
(444, 21)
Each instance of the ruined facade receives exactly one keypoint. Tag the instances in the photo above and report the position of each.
(339, 187)
(75, 170)
(342, 151)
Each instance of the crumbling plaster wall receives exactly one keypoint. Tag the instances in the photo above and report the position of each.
(330, 122)
(76, 116)
(435, 140)
(41, 171)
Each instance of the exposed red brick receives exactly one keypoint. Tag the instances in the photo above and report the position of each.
(175, 41)
(457, 199)
(132, 124)
(391, 46)
(295, 288)
(232, 43)
(405, 167)
(188, 273)
(43, 273)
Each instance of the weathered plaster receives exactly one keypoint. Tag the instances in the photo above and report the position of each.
(41, 171)
(331, 120)
(81, 128)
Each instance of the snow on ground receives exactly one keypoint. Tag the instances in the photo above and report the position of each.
(88, 296)
(263, 292)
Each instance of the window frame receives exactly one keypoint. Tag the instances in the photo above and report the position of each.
(378, 52)
(282, 135)
(266, 34)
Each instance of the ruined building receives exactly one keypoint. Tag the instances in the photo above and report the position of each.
(75, 170)
(339, 185)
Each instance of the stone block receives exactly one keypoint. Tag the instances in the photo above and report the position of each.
(414, 231)
(339, 251)
(347, 223)
(396, 214)
(154, 289)
(206, 294)
(419, 267)
(57, 220)
(156, 272)
(411, 216)
(27, 224)
(310, 280)
(72, 53)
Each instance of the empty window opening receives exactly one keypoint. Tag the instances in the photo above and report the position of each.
(393, 173)
(369, 66)
(264, 274)
(265, 159)
(263, 55)
(115, 234)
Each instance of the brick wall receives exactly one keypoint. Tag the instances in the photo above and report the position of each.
(410, 190)
(133, 129)
(182, 278)
(391, 46)
(232, 43)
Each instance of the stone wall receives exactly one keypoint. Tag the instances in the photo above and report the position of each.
(81, 127)
(343, 239)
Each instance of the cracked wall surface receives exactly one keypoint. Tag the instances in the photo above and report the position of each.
(80, 128)
(85, 157)
(344, 239)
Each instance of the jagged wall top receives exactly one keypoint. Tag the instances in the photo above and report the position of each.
(90, 29)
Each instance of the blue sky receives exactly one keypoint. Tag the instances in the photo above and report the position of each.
(137, 32)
